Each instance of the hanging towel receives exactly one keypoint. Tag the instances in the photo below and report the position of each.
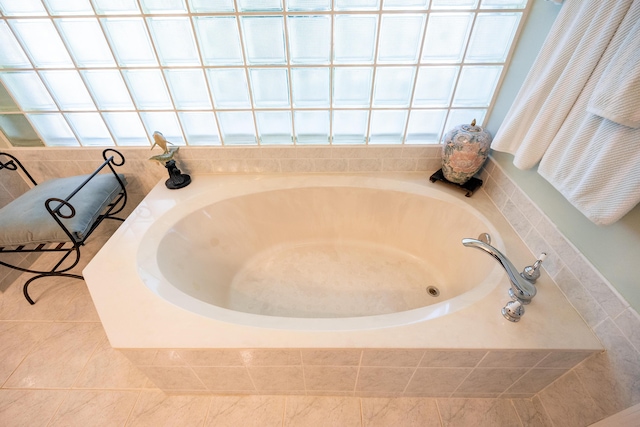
(595, 162)
(577, 40)
(617, 94)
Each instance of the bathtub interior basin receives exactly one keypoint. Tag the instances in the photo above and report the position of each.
(321, 252)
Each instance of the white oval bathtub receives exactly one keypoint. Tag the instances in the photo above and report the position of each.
(318, 253)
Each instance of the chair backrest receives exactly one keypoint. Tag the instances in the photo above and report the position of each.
(9, 162)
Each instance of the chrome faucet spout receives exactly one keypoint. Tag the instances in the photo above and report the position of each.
(522, 290)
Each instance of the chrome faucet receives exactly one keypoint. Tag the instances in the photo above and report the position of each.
(522, 289)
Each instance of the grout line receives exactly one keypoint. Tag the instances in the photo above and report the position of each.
(517, 413)
(134, 407)
(55, 413)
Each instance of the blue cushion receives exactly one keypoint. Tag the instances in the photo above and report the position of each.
(26, 220)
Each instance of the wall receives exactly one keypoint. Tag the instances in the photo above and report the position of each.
(612, 249)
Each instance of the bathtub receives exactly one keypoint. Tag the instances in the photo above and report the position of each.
(318, 261)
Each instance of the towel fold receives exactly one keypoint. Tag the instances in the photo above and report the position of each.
(595, 162)
(577, 40)
(617, 94)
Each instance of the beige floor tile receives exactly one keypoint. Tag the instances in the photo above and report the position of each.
(27, 408)
(405, 412)
(18, 339)
(94, 408)
(154, 408)
(478, 413)
(110, 369)
(51, 294)
(58, 359)
(246, 411)
(313, 411)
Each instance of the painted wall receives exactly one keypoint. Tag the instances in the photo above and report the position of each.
(613, 250)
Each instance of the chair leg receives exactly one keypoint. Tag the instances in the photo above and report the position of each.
(39, 276)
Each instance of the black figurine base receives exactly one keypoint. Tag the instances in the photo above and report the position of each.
(470, 186)
(176, 178)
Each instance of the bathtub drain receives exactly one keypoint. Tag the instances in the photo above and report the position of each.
(433, 291)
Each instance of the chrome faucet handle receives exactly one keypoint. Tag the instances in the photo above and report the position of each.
(513, 311)
(532, 272)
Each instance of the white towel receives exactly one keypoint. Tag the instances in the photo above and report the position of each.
(617, 94)
(592, 161)
(577, 40)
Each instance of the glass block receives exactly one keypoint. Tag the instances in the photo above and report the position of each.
(259, 5)
(454, 4)
(425, 126)
(237, 127)
(310, 87)
(127, 129)
(400, 38)
(387, 126)
(308, 5)
(53, 129)
(68, 89)
(229, 88)
(270, 87)
(352, 86)
(28, 91)
(22, 8)
(203, 6)
(42, 43)
(7, 104)
(393, 86)
(355, 39)
(434, 86)
(350, 126)
(115, 7)
(163, 6)
(446, 37)
(405, 4)
(166, 123)
(86, 42)
(200, 128)
(174, 41)
(148, 89)
(274, 127)
(11, 54)
(264, 39)
(189, 89)
(69, 7)
(108, 89)
(90, 128)
(357, 4)
(476, 86)
(309, 39)
(17, 129)
(464, 116)
(219, 40)
(130, 41)
(503, 4)
(491, 37)
(312, 127)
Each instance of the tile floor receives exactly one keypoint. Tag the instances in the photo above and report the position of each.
(58, 369)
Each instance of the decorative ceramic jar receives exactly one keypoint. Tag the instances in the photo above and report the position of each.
(466, 147)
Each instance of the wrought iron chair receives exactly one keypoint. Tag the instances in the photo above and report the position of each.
(58, 215)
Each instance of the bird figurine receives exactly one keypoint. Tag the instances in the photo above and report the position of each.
(167, 153)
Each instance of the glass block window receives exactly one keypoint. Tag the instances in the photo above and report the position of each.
(250, 72)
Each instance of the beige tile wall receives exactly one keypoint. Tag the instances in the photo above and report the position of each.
(355, 372)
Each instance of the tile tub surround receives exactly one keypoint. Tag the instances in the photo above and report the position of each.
(355, 372)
